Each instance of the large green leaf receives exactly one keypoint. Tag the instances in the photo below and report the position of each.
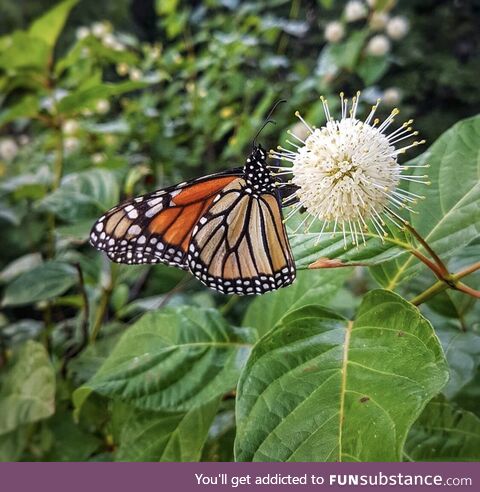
(83, 195)
(45, 281)
(332, 252)
(24, 52)
(313, 287)
(27, 391)
(449, 217)
(48, 27)
(462, 350)
(444, 433)
(157, 436)
(322, 388)
(173, 360)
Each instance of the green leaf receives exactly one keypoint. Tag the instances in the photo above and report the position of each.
(372, 68)
(27, 107)
(70, 441)
(444, 433)
(346, 54)
(13, 443)
(48, 27)
(84, 98)
(156, 436)
(331, 252)
(45, 281)
(173, 360)
(462, 350)
(24, 52)
(322, 388)
(314, 287)
(83, 195)
(27, 391)
(449, 217)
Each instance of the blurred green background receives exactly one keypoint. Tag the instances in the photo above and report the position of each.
(133, 95)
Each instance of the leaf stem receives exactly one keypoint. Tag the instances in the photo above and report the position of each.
(441, 266)
(440, 285)
(103, 304)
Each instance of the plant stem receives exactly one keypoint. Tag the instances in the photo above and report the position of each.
(440, 285)
(103, 304)
(75, 350)
(441, 266)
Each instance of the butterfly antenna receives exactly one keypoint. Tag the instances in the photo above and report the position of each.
(267, 121)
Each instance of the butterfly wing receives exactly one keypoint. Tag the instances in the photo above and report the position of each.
(239, 245)
(157, 227)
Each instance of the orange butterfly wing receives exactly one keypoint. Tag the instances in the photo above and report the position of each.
(157, 227)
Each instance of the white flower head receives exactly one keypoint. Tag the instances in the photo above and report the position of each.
(71, 144)
(102, 106)
(355, 10)
(379, 45)
(398, 27)
(8, 149)
(334, 32)
(392, 96)
(100, 29)
(347, 172)
(82, 32)
(70, 127)
(122, 68)
(135, 74)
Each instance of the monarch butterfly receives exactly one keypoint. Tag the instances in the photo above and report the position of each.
(225, 228)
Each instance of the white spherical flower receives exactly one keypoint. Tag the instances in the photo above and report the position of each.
(82, 32)
(397, 27)
(102, 106)
(122, 69)
(334, 32)
(135, 74)
(100, 29)
(8, 149)
(70, 127)
(71, 144)
(347, 172)
(109, 40)
(23, 139)
(371, 3)
(392, 96)
(98, 158)
(378, 21)
(355, 10)
(379, 45)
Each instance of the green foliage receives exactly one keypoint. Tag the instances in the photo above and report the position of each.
(108, 362)
(322, 388)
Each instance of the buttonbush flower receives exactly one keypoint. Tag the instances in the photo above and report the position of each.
(379, 45)
(355, 10)
(347, 172)
(397, 27)
(334, 32)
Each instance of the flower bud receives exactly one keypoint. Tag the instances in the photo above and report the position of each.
(397, 27)
(355, 10)
(379, 45)
(334, 32)
(8, 149)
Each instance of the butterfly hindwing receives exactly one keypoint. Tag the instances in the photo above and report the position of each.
(157, 227)
(240, 245)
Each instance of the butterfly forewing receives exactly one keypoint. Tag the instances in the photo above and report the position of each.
(157, 227)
